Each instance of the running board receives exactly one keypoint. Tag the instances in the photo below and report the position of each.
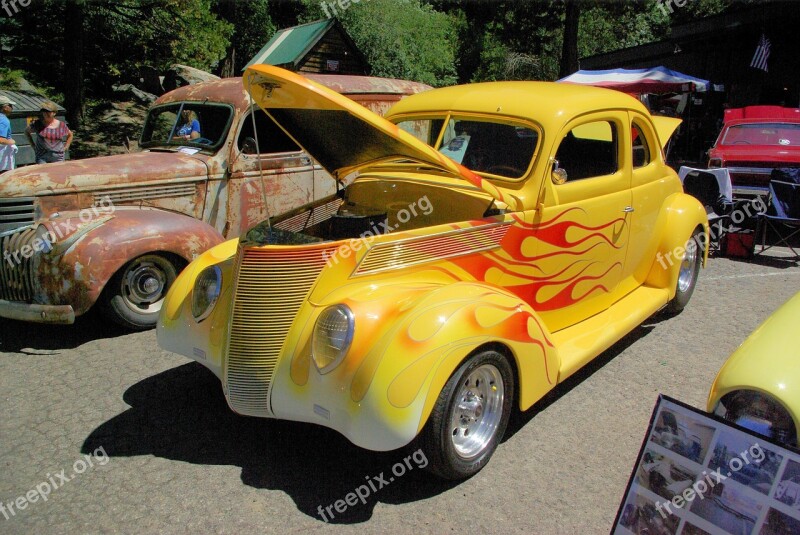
(579, 344)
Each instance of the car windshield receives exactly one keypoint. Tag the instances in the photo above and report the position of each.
(187, 123)
(778, 134)
(504, 149)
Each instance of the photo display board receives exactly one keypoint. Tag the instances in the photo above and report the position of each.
(699, 475)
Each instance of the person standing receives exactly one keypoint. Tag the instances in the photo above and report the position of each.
(53, 137)
(8, 147)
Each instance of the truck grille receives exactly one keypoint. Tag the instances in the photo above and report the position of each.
(16, 212)
(271, 287)
(16, 271)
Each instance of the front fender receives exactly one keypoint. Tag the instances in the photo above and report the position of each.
(682, 214)
(87, 253)
(408, 342)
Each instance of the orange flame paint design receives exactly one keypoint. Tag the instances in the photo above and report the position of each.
(559, 260)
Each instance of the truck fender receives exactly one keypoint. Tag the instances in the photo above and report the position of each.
(82, 261)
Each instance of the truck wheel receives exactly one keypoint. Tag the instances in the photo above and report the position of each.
(134, 295)
(687, 274)
(470, 416)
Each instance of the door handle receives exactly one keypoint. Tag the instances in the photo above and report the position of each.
(628, 209)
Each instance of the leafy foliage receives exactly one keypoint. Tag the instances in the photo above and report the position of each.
(401, 38)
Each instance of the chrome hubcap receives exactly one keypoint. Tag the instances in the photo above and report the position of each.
(686, 274)
(143, 286)
(478, 410)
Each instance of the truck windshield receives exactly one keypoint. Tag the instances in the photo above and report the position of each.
(194, 124)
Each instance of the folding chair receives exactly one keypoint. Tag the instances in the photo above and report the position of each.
(783, 215)
(705, 188)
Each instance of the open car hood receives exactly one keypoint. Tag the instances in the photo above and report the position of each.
(340, 134)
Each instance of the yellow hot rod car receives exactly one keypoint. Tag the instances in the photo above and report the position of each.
(485, 242)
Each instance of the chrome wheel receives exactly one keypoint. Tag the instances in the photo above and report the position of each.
(688, 271)
(478, 411)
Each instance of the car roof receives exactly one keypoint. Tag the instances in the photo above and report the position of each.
(543, 101)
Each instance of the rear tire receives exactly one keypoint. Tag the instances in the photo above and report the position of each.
(470, 417)
(134, 295)
(688, 272)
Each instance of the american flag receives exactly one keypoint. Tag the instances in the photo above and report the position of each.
(762, 53)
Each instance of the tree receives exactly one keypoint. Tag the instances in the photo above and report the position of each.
(252, 28)
(400, 38)
(569, 49)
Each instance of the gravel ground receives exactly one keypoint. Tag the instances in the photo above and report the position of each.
(178, 461)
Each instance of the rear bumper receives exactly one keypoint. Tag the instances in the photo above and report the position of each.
(58, 314)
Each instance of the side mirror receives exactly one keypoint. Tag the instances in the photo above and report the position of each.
(558, 175)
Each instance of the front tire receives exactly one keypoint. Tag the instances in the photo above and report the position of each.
(134, 295)
(470, 416)
(688, 272)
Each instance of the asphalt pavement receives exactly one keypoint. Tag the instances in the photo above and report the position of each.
(103, 432)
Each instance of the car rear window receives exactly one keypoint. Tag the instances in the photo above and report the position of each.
(763, 134)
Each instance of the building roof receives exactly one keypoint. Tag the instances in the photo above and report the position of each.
(290, 45)
(27, 102)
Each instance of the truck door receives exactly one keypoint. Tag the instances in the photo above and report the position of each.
(270, 175)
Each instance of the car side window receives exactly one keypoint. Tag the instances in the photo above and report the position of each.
(640, 148)
(270, 136)
(589, 150)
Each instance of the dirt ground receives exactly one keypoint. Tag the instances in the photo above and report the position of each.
(172, 458)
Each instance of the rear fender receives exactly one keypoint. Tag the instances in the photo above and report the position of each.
(679, 219)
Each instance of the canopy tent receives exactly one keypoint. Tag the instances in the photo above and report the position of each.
(638, 81)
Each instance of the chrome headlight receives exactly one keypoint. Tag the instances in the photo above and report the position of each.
(44, 239)
(332, 336)
(205, 293)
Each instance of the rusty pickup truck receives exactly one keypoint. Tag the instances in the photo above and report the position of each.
(116, 230)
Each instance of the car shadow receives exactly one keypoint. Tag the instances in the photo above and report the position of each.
(40, 338)
(181, 414)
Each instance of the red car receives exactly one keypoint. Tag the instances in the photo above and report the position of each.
(753, 141)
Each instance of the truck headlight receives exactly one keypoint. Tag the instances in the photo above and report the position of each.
(46, 238)
(332, 336)
(714, 163)
(205, 293)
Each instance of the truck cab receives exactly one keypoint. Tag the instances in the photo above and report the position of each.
(116, 230)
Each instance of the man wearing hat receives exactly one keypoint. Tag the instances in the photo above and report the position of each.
(53, 137)
(8, 146)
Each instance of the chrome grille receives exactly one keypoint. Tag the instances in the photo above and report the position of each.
(309, 218)
(272, 285)
(16, 271)
(415, 251)
(16, 212)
